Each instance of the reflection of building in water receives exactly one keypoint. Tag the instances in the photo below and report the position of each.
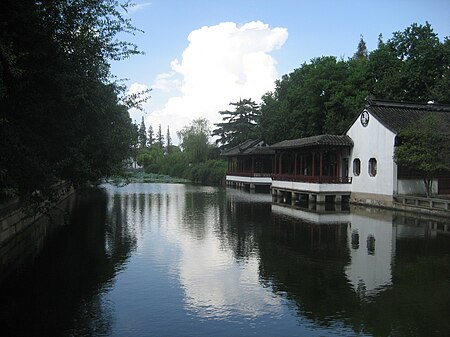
(370, 243)
(420, 227)
(310, 216)
(372, 247)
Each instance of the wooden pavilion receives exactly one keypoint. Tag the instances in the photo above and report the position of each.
(316, 167)
(249, 164)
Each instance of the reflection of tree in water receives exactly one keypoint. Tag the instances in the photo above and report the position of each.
(120, 234)
(418, 303)
(201, 207)
(245, 220)
(84, 256)
(235, 223)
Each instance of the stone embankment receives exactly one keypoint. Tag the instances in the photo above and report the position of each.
(22, 235)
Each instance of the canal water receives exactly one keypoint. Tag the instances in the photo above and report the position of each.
(182, 260)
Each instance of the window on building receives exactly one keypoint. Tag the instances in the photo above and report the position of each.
(355, 239)
(356, 167)
(371, 244)
(372, 167)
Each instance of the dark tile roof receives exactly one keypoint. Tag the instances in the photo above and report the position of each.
(396, 116)
(327, 140)
(249, 147)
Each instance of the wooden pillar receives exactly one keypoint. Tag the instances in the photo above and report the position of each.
(295, 164)
(274, 164)
(320, 164)
(313, 162)
(280, 163)
(253, 164)
(338, 161)
(301, 165)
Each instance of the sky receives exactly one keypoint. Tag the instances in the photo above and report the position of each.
(201, 55)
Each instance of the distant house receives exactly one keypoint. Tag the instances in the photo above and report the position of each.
(375, 176)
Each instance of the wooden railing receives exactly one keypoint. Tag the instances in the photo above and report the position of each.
(312, 179)
(249, 174)
(296, 178)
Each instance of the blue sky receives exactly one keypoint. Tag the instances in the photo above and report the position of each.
(262, 41)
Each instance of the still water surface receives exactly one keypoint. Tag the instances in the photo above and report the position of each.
(181, 260)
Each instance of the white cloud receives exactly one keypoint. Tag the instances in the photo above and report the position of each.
(137, 7)
(221, 64)
(166, 82)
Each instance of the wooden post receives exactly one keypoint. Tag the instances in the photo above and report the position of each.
(280, 163)
(301, 165)
(313, 162)
(295, 165)
(338, 161)
(320, 165)
(274, 164)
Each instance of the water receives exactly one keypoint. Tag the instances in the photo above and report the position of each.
(181, 260)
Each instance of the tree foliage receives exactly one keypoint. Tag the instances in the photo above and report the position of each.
(196, 159)
(319, 97)
(62, 119)
(142, 135)
(324, 95)
(238, 125)
(424, 150)
(150, 136)
(159, 138)
(195, 140)
(361, 52)
(410, 65)
(168, 141)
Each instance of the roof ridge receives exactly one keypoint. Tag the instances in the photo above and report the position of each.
(428, 106)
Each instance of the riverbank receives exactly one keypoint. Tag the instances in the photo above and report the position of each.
(137, 176)
(22, 235)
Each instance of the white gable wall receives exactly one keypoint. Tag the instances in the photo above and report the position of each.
(373, 141)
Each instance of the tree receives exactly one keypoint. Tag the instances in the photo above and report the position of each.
(195, 140)
(159, 138)
(150, 136)
(63, 120)
(425, 148)
(410, 65)
(325, 94)
(361, 52)
(440, 90)
(322, 96)
(142, 135)
(151, 159)
(238, 125)
(168, 141)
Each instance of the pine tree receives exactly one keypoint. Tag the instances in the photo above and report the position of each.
(160, 138)
(142, 135)
(150, 136)
(238, 125)
(361, 52)
(168, 140)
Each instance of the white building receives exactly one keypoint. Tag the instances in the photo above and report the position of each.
(375, 176)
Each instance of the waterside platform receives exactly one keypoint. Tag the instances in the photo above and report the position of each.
(249, 180)
(419, 204)
(313, 191)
